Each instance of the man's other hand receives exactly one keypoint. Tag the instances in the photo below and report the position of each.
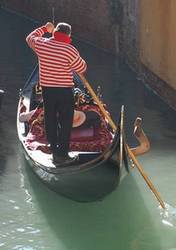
(50, 27)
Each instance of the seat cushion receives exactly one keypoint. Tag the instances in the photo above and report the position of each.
(82, 134)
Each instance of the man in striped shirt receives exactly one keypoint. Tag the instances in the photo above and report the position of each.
(57, 61)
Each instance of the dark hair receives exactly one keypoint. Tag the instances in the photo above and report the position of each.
(64, 28)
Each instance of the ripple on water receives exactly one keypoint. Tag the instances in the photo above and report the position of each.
(20, 247)
(168, 216)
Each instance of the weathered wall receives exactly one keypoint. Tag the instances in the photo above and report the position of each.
(157, 47)
(158, 38)
(148, 41)
(92, 21)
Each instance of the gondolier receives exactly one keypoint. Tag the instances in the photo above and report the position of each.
(97, 171)
(57, 61)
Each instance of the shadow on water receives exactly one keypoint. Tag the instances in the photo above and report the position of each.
(114, 223)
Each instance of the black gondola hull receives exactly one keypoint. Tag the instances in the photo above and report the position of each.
(91, 178)
(89, 185)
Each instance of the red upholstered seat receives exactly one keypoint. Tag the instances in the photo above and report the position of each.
(82, 134)
(82, 138)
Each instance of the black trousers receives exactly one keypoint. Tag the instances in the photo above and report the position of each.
(58, 116)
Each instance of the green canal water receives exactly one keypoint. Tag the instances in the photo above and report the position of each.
(35, 218)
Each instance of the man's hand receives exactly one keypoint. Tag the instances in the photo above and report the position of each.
(50, 27)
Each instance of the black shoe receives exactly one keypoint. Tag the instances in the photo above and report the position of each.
(62, 161)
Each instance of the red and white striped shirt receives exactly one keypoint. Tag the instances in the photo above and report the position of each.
(57, 58)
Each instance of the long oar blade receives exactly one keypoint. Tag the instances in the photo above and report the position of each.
(144, 175)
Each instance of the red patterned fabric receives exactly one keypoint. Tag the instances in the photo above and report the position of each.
(102, 136)
(95, 139)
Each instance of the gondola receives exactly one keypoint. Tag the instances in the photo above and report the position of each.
(98, 168)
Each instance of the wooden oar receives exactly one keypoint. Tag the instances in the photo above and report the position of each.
(131, 155)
